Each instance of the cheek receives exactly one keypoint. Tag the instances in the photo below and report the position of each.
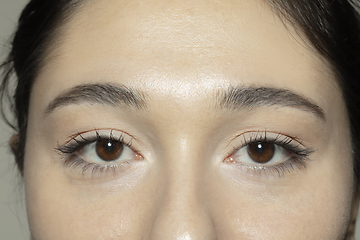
(55, 216)
(58, 208)
(316, 205)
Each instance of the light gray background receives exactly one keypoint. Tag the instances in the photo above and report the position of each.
(13, 223)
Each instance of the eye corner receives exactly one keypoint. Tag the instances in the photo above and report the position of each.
(138, 156)
(229, 159)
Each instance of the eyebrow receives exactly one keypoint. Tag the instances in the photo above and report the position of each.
(108, 94)
(233, 98)
(249, 97)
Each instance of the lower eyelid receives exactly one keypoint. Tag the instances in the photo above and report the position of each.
(79, 168)
(84, 170)
(275, 171)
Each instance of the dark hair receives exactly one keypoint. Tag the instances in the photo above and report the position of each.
(39, 24)
(331, 26)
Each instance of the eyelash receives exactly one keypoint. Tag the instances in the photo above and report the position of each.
(299, 154)
(71, 159)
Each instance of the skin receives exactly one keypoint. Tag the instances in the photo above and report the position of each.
(182, 183)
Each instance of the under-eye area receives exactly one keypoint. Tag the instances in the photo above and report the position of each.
(97, 153)
(268, 154)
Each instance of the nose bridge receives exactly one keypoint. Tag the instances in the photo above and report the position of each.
(183, 212)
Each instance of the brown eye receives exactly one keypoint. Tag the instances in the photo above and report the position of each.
(261, 152)
(109, 150)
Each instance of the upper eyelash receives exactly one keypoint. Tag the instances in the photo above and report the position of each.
(298, 149)
(75, 144)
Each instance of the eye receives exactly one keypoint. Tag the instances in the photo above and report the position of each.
(99, 152)
(261, 153)
(106, 150)
(267, 152)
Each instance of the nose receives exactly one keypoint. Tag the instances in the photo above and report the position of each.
(183, 213)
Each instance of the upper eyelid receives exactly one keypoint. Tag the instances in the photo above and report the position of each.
(265, 135)
(79, 141)
(297, 147)
(107, 133)
(302, 152)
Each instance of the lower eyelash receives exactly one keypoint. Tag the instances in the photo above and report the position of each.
(276, 170)
(93, 167)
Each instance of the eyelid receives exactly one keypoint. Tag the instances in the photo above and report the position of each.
(104, 133)
(300, 153)
(247, 137)
(69, 151)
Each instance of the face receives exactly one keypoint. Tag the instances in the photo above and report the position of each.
(186, 120)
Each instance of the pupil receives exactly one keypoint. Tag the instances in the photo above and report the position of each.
(260, 148)
(110, 147)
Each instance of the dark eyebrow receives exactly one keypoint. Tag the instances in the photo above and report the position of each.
(250, 97)
(109, 94)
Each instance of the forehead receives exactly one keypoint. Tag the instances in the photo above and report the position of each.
(177, 46)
